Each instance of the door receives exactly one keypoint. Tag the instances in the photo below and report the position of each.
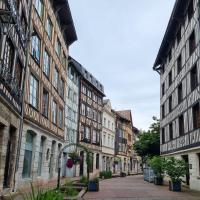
(185, 158)
(81, 163)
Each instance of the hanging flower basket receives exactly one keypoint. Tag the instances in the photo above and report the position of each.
(75, 157)
(70, 163)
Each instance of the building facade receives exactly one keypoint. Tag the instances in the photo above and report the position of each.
(178, 65)
(13, 43)
(71, 114)
(108, 137)
(45, 90)
(90, 119)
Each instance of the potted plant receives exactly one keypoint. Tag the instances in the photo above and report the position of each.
(75, 157)
(93, 185)
(175, 169)
(157, 164)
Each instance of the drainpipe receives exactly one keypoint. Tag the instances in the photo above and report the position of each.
(29, 34)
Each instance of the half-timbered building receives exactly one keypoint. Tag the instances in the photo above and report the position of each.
(90, 119)
(45, 90)
(178, 64)
(14, 17)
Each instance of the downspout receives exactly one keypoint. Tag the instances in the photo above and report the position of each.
(29, 34)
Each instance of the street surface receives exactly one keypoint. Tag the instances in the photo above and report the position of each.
(134, 187)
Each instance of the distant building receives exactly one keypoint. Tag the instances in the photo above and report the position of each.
(177, 63)
(71, 114)
(124, 140)
(90, 118)
(108, 136)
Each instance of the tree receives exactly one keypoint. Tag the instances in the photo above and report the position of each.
(148, 144)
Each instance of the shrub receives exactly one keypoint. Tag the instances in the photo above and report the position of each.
(175, 169)
(157, 164)
(70, 191)
(105, 174)
(84, 180)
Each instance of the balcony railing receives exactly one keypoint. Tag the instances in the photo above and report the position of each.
(10, 82)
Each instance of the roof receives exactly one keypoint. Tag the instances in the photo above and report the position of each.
(175, 21)
(87, 76)
(61, 7)
(126, 114)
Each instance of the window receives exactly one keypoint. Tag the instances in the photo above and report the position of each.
(60, 117)
(104, 139)
(181, 125)
(89, 93)
(163, 135)
(87, 133)
(179, 64)
(112, 127)
(108, 141)
(39, 7)
(75, 97)
(171, 131)
(49, 28)
(163, 89)
(199, 162)
(83, 109)
(18, 73)
(45, 103)
(64, 61)
(58, 47)
(61, 88)
(108, 124)
(94, 136)
(170, 103)
(97, 161)
(36, 43)
(192, 43)
(178, 36)
(33, 95)
(196, 116)
(70, 93)
(55, 78)
(104, 121)
(99, 117)
(190, 10)
(163, 111)
(170, 78)
(94, 97)
(26, 173)
(84, 90)
(170, 55)
(40, 158)
(8, 55)
(46, 63)
(180, 93)
(54, 112)
(98, 137)
(194, 78)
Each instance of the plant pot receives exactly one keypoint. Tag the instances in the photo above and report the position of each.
(93, 186)
(175, 186)
(123, 174)
(158, 180)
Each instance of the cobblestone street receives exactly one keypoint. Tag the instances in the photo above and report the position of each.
(134, 187)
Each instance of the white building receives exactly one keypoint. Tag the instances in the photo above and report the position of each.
(178, 64)
(108, 136)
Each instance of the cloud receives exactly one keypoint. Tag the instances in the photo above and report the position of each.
(118, 41)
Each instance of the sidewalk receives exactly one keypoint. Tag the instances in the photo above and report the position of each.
(134, 187)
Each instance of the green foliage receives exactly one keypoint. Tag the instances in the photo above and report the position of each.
(71, 192)
(175, 169)
(157, 164)
(84, 180)
(40, 194)
(105, 174)
(148, 144)
(96, 180)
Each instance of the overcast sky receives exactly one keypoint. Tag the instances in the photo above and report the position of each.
(118, 41)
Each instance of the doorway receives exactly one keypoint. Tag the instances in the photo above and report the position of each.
(9, 157)
(81, 163)
(186, 159)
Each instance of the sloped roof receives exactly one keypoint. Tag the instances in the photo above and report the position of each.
(126, 114)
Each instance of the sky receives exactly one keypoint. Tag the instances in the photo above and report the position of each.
(118, 41)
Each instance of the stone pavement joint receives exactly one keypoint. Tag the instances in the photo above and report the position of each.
(135, 188)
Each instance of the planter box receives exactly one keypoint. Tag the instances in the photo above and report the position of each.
(93, 186)
(148, 174)
(158, 180)
(175, 187)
